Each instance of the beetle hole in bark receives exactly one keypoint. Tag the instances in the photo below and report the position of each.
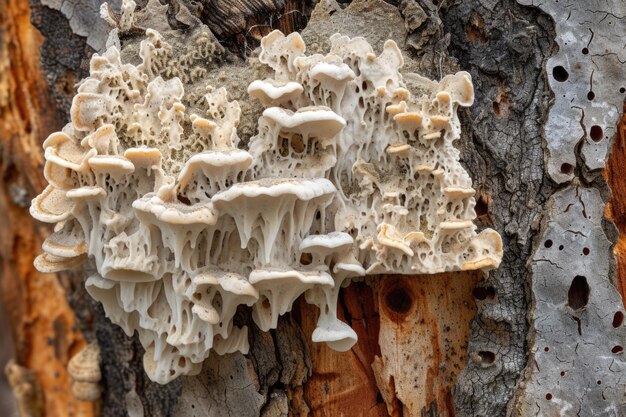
(548, 396)
(591, 95)
(618, 319)
(484, 293)
(585, 51)
(596, 133)
(622, 90)
(561, 247)
(617, 349)
(578, 294)
(560, 74)
(586, 251)
(487, 357)
(548, 243)
(567, 168)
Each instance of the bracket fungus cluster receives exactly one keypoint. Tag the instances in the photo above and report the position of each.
(349, 174)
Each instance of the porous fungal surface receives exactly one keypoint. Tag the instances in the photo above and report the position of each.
(349, 174)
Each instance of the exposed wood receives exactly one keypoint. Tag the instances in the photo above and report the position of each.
(345, 381)
(413, 333)
(43, 324)
(615, 175)
(7, 353)
(424, 335)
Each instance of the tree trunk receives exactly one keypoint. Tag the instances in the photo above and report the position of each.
(541, 335)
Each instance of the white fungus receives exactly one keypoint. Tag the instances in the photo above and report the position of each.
(349, 174)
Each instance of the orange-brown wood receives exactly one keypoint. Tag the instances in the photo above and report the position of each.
(343, 384)
(413, 338)
(424, 335)
(43, 324)
(615, 175)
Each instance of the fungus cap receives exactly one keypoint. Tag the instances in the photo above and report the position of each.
(270, 91)
(51, 206)
(336, 334)
(326, 244)
(85, 365)
(303, 189)
(319, 120)
(176, 213)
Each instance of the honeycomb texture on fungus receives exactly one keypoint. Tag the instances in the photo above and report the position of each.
(349, 174)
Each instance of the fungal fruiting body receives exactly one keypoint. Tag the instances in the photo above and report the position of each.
(349, 174)
(84, 369)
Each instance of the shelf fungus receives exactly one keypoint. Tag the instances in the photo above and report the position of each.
(349, 174)
(84, 369)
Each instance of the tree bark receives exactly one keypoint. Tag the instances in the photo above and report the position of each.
(541, 335)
